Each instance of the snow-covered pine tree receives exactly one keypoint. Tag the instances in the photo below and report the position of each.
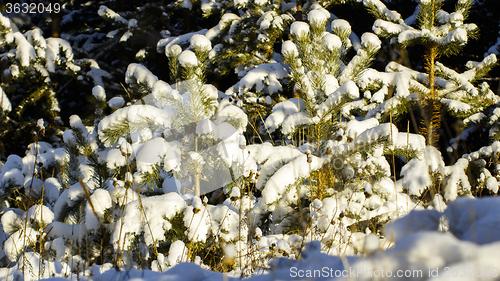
(259, 24)
(28, 91)
(185, 119)
(442, 34)
(327, 157)
(39, 80)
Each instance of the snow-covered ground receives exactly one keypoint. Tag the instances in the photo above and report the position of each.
(460, 243)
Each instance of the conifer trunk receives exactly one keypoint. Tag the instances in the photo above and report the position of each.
(431, 105)
(56, 20)
(299, 10)
(197, 173)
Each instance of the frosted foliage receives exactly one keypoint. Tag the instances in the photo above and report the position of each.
(4, 22)
(137, 73)
(41, 268)
(115, 159)
(458, 35)
(201, 42)
(54, 48)
(100, 200)
(12, 176)
(492, 184)
(188, 59)
(157, 209)
(299, 29)
(76, 123)
(13, 161)
(289, 48)
(108, 13)
(264, 75)
(52, 188)
(116, 102)
(388, 14)
(126, 36)
(177, 253)
(40, 214)
(17, 241)
(230, 114)
(197, 220)
(399, 80)
(331, 84)
(164, 45)
(332, 42)
(355, 127)
(204, 127)
(173, 51)
(281, 111)
(225, 223)
(369, 39)
(270, 20)
(380, 26)
(134, 114)
(25, 53)
(99, 93)
(226, 18)
(417, 172)
(163, 93)
(342, 26)
(434, 159)
(154, 152)
(456, 106)
(11, 221)
(410, 141)
(348, 89)
(5, 104)
(457, 180)
(132, 174)
(278, 183)
(293, 121)
(132, 23)
(240, 2)
(384, 130)
(211, 91)
(317, 17)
